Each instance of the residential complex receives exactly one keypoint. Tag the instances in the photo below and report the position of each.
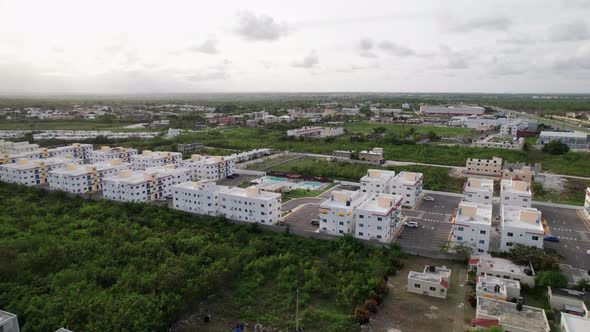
(521, 225)
(8, 147)
(408, 185)
(251, 205)
(509, 316)
(31, 172)
(107, 153)
(148, 159)
(200, 197)
(316, 132)
(210, 167)
(515, 193)
(144, 186)
(576, 139)
(497, 288)
(488, 167)
(486, 265)
(377, 181)
(85, 178)
(337, 212)
(378, 217)
(444, 110)
(75, 151)
(433, 281)
(473, 225)
(479, 190)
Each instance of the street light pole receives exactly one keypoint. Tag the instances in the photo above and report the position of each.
(297, 311)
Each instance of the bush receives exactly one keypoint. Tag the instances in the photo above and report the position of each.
(371, 306)
(556, 148)
(362, 315)
(554, 279)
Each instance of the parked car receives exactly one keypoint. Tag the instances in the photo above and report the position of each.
(315, 222)
(429, 198)
(551, 238)
(412, 224)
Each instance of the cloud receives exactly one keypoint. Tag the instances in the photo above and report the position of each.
(365, 46)
(578, 61)
(576, 3)
(573, 31)
(208, 76)
(395, 49)
(308, 61)
(503, 67)
(454, 59)
(260, 27)
(487, 23)
(209, 46)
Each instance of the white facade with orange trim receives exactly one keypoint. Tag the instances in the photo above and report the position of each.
(107, 153)
(149, 159)
(79, 179)
(378, 217)
(31, 172)
(337, 212)
(408, 185)
(210, 167)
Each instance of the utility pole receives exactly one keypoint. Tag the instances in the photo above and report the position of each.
(297, 311)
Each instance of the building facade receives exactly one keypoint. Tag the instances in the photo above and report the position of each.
(575, 140)
(337, 212)
(377, 181)
(408, 185)
(210, 167)
(516, 193)
(473, 226)
(587, 203)
(479, 190)
(201, 197)
(79, 179)
(107, 153)
(149, 159)
(251, 205)
(487, 167)
(378, 217)
(316, 132)
(433, 281)
(521, 225)
(456, 110)
(31, 172)
(503, 268)
(497, 288)
(525, 174)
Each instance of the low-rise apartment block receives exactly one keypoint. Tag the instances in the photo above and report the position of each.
(408, 185)
(202, 197)
(8, 147)
(76, 151)
(316, 132)
(144, 186)
(473, 226)
(107, 153)
(337, 212)
(31, 172)
(374, 156)
(510, 316)
(497, 288)
(210, 167)
(487, 167)
(378, 217)
(524, 173)
(575, 140)
(251, 205)
(377, 181)
(521, 226)
(79, 179)
(516, 193)
(8, 322)
(148, 159)
(574, 323)
(486, 265)
(570, 300)
(433, 281)
(479, 190)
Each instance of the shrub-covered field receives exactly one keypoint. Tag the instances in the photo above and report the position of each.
(103, 266)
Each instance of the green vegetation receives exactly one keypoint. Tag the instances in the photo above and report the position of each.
(573, 192)
(299, 193)
(99, 265)
(435, 178)
(554, 279)
(368, 128)
(555, 148)
(64, 124)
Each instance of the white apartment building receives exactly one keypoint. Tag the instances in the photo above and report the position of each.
(8, 147)
(473, 226)
(509, 316)
(144, 186)
(574, 323)
(337, 212)
(408, 185)
(31, 172)
(76, 151)
(377, 181)
(503, 268)
(251, 205)
(378, 217)
(8, 322)
(576, 139)
(497, 288)
(79, 179)
(488, 167)
(148, 159)
(210, 167)
(587, 203)
(107, 153)
(521, 225)
(512, 128)
(516, 193)
(479, 190)
(200, 197)
(433, 281)
(316, 132)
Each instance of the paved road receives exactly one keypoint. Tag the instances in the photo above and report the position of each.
(301, 219)
(290, 205)
(573, 234)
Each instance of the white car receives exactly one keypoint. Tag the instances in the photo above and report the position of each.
(429, 198)
(588, 251)
(412, 224)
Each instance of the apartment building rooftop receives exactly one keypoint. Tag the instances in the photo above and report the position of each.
(517, 187)
(25, 164)
(147, 154)
(572, 134)
(381, 203)
(521, 217)
(408, 178)
(377, 175)
(487, 262)
(77, 170)
(488, 281)
(480, 184)
(207, 160)
(135, 177)
(574, 323)
(343, 199)
(508, 315)
(433, 274)
(200, 185)
(472, 212)
(252, 192)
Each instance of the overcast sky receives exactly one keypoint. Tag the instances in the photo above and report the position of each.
(125, 46)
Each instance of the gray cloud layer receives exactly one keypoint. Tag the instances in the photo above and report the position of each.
(573, 31)
(308, 61)
(259, 27)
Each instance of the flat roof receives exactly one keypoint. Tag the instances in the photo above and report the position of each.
(201, 185)
(156, 155)
(135, 177)
(489, 280)
(480, 184)
(372, 204)
(575, 323)
(501, 265)
(472, 212)
(408, 178)
(259, 194)
(427, 275)
(517, 187)
(378, 175)
(529, 318)
(338, 199)
(23, 164)
(521, 217)
(574, 134)
(85, 169)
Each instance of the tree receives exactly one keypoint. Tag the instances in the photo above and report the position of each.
(554, 279)
(556, 148)
(583, 285)
(432, 136)
(379, 130)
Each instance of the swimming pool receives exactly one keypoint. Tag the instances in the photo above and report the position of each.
(274, 179)
(310, 185)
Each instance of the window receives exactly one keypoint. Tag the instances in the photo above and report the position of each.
(459, 228)
(509, 244)
(417, 286)
(379, 228)
(361, 216)
(361, 234)
(510, 234)
(482, 241)
(460, 238)
(482, 232)
(361, 225)
(535, 238)
(432, 289)
(340, 223)
(379, 219)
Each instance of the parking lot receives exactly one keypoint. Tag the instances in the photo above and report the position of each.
(574, 236)
(301, 219)
(434, 218)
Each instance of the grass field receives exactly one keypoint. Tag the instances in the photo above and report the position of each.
(573, 192)
(63, 124)
(367, 128)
